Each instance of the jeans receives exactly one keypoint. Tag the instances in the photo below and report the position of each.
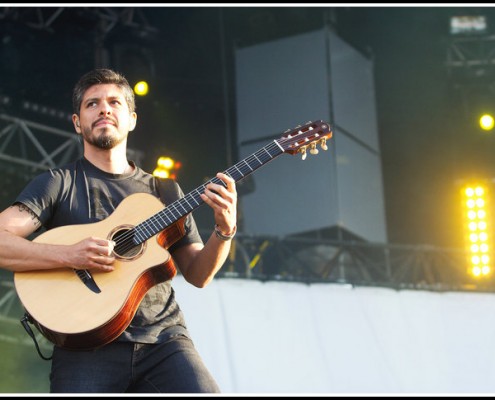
(122, 367)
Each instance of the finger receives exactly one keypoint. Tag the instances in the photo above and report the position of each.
(228, 180)
(222, 199)
(220, 191)
(104, 267)
(104, 247)
(210, 197)
(106, 260)
(104, 250)
(102, 261)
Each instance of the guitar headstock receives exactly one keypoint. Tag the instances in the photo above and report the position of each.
(311, 134)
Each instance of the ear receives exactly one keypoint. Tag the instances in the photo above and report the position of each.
(75, 121)
(133, 121)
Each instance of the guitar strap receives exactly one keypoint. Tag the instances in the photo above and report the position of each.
(167, 190)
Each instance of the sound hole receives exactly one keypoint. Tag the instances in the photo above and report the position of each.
(125, 248)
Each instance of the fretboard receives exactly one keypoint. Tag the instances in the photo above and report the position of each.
(192, 200)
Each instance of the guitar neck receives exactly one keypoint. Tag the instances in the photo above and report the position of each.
(192, 200)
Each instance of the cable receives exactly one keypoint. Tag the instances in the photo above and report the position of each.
(24, 322)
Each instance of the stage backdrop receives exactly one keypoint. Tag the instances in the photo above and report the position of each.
(294, 338)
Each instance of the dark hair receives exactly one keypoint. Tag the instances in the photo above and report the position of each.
(102, 76)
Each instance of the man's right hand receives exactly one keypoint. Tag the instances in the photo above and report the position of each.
(91, 253)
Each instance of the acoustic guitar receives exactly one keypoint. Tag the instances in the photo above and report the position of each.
(83, 309)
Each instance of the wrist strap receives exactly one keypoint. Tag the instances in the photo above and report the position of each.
(224, 237)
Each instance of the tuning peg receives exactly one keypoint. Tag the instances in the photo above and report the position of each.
(313, 149)
(324, 143)
(303, 152)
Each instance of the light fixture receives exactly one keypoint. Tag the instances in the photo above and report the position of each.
(475, 198)
(141, 88)
(468, 25)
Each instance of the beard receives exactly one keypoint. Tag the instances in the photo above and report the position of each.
(105, 140)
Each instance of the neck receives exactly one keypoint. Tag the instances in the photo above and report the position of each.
(113, 161)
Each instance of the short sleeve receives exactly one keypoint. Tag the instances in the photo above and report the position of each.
(40, 195)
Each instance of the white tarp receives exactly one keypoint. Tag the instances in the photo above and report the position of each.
(285, 337)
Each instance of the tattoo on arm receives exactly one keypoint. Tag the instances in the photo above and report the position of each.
(34, 217)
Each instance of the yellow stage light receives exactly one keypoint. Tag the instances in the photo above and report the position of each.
(487, 122)
(141, 88)
(165, 162)
(166, 167)
(161, 173)
(469, 192)
(476, 202)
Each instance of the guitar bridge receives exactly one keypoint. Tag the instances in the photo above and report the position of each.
(86, 278)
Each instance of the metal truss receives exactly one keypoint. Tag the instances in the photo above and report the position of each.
(34, 145)
(45, 18)
(352, 262)
(41, 18)
(471, 57)
(130, 17)
(40, 147)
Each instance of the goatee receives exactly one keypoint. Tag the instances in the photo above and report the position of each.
(105, 141)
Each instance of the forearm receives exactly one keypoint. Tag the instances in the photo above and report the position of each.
(203, 267)
(20, 254)
(198, 263)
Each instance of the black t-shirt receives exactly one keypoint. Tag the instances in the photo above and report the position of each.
(80, 193)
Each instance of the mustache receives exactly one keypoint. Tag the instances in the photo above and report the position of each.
(104, 119)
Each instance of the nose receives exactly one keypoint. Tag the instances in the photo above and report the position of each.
(105, 109)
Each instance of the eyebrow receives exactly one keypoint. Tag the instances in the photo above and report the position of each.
(91, 99)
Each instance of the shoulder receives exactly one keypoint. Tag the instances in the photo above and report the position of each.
(48, 183)
(55, 175)
(167, 183)
(168, 189)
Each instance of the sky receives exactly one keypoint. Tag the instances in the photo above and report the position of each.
(429, 145)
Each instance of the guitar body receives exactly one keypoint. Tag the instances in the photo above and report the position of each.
(73, 314)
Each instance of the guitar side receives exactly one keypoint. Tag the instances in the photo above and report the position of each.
(72, 315)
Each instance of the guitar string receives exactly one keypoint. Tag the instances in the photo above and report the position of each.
(128, 237)
(231, 172)
(125, 242)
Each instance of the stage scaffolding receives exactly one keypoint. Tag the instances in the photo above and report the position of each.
(359, 263)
